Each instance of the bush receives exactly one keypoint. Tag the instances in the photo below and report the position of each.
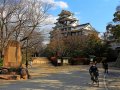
(1, 62)
(12, 69)
(78, 61)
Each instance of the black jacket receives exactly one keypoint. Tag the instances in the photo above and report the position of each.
(93, 70)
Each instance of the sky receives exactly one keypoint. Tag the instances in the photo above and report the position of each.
(96, 12)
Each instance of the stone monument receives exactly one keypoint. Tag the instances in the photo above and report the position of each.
(12, 55)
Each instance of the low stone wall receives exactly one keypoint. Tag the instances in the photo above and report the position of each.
(40, 60)
(10, 77)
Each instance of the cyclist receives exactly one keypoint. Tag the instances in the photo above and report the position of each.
(93, 70)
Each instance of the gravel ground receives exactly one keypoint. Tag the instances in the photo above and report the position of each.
(44, 71)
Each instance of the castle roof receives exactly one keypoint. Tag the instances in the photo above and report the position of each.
(65, 12)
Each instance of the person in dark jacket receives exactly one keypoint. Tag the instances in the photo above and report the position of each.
(105, 66)
(94, 73)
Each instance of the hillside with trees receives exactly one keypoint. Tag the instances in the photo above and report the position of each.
(114, 29)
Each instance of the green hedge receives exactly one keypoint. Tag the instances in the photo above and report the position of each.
(1, 62)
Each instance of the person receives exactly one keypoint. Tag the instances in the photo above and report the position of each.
(105, 66)
(30, 63)
(95, 62)
(24, 72)
(94, 73)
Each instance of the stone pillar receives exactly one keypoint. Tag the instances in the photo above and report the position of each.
(12, 55)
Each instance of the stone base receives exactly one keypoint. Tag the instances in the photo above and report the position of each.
(10, 77)
(40, 60)
(25, 77)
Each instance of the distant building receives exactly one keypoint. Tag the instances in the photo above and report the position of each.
(67, 25)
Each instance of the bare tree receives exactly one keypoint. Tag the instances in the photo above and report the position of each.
(19, 19)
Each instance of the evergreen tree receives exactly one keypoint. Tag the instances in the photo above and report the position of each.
(114, 29)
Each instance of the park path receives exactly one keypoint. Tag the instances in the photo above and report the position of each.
(48, 77)
(61, 80)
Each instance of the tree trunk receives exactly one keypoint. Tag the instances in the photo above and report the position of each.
(0, 54)
(117, 63)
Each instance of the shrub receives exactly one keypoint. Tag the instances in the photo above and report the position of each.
(1, 62)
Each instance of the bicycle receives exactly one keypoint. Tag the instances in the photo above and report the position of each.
(94, 78)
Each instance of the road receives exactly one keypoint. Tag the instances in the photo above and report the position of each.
(66, 78)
